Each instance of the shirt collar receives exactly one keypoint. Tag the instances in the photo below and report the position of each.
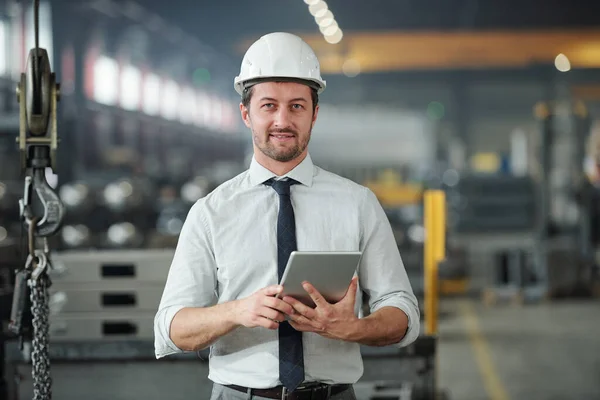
(303, 172)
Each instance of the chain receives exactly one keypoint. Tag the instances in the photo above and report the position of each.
(39, 283)
(40, 360)
(37, 94)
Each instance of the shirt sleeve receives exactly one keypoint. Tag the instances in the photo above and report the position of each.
(382, 275)
(191, 281)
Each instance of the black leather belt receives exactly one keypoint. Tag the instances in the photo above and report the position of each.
(316, 391)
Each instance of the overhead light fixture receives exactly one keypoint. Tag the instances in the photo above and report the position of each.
(322, 12)
(351, 68)
(330, 30)
(325, 20)
(317, 7)
(562, 63)
(335, 37)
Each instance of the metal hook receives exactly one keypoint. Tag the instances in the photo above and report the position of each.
(54, 211)
(38, 261)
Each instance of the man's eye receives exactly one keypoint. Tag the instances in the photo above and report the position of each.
(268, 105)
(298, 106)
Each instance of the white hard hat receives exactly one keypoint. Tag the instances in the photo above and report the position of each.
(279, 55)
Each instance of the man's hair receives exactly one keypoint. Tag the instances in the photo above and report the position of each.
(247, 96)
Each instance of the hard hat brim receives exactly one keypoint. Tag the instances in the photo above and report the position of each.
(243, 84)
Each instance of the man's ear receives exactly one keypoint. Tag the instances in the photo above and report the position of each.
(245, 114)
(314, 119)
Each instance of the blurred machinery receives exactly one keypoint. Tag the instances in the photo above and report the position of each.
(145, 132)
(492, 216)
(403, 203)
(532, 229)
(568, 228)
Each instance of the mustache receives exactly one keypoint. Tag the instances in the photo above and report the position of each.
(283, 130)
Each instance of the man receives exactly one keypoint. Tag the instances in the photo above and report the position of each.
(220, 291)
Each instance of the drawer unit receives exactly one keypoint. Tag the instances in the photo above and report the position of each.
(111, 266)
(102, 326)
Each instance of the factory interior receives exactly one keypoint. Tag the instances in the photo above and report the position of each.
(476, 124)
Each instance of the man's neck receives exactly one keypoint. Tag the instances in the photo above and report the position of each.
(277, 167)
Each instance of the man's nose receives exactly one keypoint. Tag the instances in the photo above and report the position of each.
(282, 117)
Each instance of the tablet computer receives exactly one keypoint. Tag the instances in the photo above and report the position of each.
(330, 272)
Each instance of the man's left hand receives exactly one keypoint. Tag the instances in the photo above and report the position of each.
(334, 321)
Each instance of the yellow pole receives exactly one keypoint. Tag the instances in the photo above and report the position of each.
(439, 247)
(428, 262)
(434, 252)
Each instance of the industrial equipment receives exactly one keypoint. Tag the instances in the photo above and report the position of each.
(493, 217)
(403, 202)
(41, 210)
(127, 171)
(532, 231)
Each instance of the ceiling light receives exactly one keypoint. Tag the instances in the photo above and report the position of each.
(335, 38)
(330, 30)
(351, 68)
(321, 12)
(326, 19)
(332, 27)
(315, 8)
(562, 63)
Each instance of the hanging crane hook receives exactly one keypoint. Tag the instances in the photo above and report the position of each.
(38, 95)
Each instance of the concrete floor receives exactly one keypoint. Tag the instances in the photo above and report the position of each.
(534, 352)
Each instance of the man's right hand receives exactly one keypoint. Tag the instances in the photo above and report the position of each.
(263, 309)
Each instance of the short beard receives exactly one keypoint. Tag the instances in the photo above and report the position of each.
(268, 150)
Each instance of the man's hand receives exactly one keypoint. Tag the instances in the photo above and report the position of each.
(334, 321)
(262, 309)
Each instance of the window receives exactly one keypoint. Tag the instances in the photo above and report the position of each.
(3, 50)
(130, 88)
(106, 81)
(187, 107)
(170, 100)
(151, 102)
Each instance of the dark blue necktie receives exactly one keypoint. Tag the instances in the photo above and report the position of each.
(291, 357)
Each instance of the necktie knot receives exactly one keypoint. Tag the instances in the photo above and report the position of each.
(282, 187)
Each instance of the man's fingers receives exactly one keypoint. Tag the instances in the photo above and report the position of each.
(267, 323)
(350, 295)
(300, 319)
(300, 327)
(300, 308)
(314, 294)
(272, 314)
(279, 304)
(272, 290)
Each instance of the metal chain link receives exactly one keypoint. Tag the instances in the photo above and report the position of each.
(40, 298)
(40, 358)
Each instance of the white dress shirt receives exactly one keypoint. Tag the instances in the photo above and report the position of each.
(227, 250)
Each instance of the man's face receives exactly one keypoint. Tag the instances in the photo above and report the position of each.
(280, 116)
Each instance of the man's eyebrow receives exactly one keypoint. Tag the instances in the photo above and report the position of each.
(275, 100)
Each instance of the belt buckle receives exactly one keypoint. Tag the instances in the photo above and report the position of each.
(322, 391)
